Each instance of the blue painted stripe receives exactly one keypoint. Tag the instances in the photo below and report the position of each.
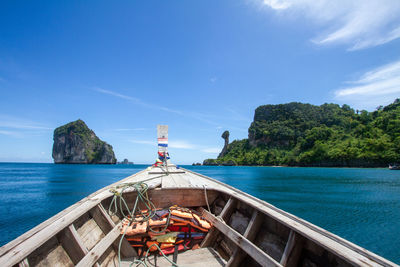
(164, 145)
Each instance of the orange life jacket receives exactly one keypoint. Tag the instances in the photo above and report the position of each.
(149, 245)
(186, 216)
(134, 228)
(188, 245)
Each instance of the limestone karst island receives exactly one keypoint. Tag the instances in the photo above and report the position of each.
(75, 143)
(298, 134)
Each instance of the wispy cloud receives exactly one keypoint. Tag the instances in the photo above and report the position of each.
(375, 87)
(358, 23)
(10, 133)
(108, 92)
(194, 115)
(181, 144)
(173, 144)
(237, 115)
(7, 121)
(213, 79)
(19, 127)
(206, 118)
(136, 100)
(144, 142)
(277, 4)
(129, 129)
(213, 150)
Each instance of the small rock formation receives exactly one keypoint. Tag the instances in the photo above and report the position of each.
(126, 162)
(196, 164)
(75, 143)
(225, 136)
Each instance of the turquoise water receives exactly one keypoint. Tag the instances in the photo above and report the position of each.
(361, 205)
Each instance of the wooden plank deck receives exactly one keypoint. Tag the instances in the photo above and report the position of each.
(190, 258)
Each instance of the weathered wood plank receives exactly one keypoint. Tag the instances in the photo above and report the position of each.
(108, 259)
(181, 180)
(163, 198)
(189, 258)
(90, 233)
(168, 182)
(254, 225)
(225, 214)
(195, 180)
(73, 244)
(101, 247)
(228, 209)
(172, 169)
(288, 248)
(292, 250)
(103, 220)
(252, 250)
(106, 224)
(250, 234)
(56, 257)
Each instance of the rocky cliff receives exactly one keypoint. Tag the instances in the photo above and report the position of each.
(225, 149)
(225, 136)
(75, 143)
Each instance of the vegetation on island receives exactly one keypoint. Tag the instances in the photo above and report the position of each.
(297, 134)
(74, 142)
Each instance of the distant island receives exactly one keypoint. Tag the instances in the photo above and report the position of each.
(298, 134)
(125, 162)
(75, 143)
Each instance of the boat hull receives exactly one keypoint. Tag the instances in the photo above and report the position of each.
(247, 231)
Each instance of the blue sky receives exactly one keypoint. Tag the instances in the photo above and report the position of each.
(201, 67)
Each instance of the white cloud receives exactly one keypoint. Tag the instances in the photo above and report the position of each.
(214, 150)
(108, 92)
(379, 86)
(136, 100)
(191, 114)
(129, 129)
(7, 121)
(145, 142)
(172, 144)
(277, 4)
(358, 23)
(181, 144)
(10, 133)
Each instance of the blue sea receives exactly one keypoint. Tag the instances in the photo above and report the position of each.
(361, 205)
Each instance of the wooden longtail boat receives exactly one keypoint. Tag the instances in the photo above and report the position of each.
(246, 230)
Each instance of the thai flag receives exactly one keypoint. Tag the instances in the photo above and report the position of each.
(162, 142)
